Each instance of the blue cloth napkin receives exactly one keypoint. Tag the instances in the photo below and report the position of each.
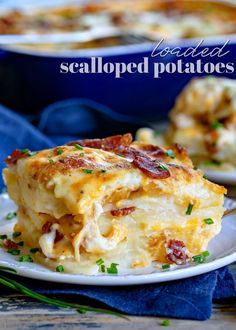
(72, 119)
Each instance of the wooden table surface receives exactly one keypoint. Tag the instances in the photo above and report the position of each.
(20, 313)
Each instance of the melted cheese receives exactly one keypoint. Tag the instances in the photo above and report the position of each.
(78, 203)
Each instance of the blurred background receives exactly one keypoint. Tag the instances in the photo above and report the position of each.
(36, 37)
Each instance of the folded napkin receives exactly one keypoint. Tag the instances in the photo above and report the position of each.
(73, 119)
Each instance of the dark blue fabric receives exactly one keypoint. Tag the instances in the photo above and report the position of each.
(72, 119)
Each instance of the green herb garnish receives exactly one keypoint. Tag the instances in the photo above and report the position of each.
(26, 258)
(206, 253)
(60, 269)
(170, 153)
(59, 151)
(166, 323)
(212, 162)
(112, 269)
(77, 146)
(162, 167)
(16, 234)
(100, 262)
(10, 215)
(25, 151)
(10, 283)
(14, 252)
(3, 236)
(216, 124)
(87, 171)
(165, 266)
(103, 268)
(200, 258)
(21, 243)
(189, 209)
(34, 250)
(156, 133)
(82, 154)
(208, 221)
(51, 161)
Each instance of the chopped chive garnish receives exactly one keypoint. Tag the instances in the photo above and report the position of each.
(51, 161)
(103, 268)
(216, 124)
(81, 154)
(10, 215)
(3, 236)
(189, 209)
(21, 243)
(25, 151)
(60, 269)
(34, 250)
(199, 259)
(100, 262)
(26, 258)
(170, 153)
(87, 171)
(156, 133)
(103, 171)
(165, 266)
(162, 167)
(166, 323)
(208, 221)
(59, 151)
(112, 269)
(14, 252)
(205, 254)
(77, 146)
(119, 154)
(212, 162)
(16, 234)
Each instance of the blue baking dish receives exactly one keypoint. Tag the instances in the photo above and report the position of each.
(31, 80)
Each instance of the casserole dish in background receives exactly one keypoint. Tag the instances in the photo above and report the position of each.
(30, 77)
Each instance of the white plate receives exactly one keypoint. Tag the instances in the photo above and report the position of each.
(222, 252)
(221, 177)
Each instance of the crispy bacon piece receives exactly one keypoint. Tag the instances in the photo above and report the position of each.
(9, 244)
(177, 252)
(59, 236)
(15, 155)
(122, 212)
(151, 168)
(111, 143)
(120, 144)
(153, 150)
(46, 228)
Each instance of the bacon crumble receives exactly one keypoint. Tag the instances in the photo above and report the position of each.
(9, 244)
(123, 212)
(177, 252)
(15, 155)
(142, 159)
